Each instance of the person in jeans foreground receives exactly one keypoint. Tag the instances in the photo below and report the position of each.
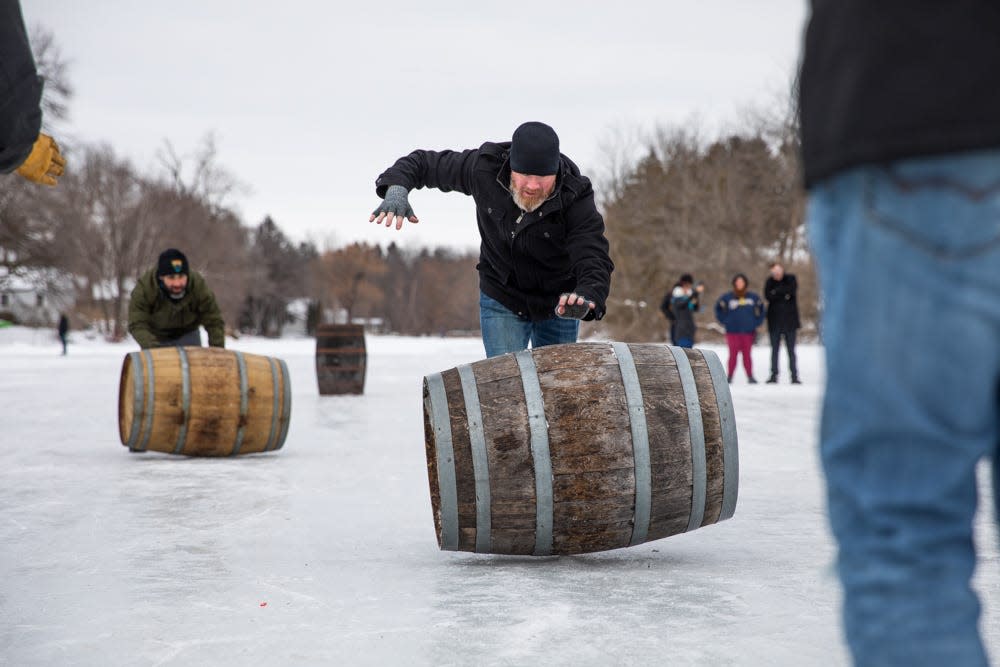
(543, 259)
(900, 117)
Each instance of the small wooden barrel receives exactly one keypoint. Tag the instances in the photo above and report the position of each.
(577, 448)
(340, 358)
(202, 401)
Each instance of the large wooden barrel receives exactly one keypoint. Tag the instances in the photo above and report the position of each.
(340, 358)
(203, 401)
(577, 448)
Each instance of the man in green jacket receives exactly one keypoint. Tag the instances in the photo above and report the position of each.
(170, 302)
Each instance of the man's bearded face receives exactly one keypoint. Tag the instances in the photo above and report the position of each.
(530, 191)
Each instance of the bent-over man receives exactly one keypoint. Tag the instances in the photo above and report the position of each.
(543, 258)
(170, 302)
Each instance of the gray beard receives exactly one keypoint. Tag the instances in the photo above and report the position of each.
(522, 204)
(177, 297)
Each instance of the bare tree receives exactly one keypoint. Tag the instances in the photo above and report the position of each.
(714, 209)
(54, 70)
(277, 274)
(350, 277)
(199, 175)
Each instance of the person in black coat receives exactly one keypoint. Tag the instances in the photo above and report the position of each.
(543, 258)
(782, 318)
(63, 331)
(23, 147)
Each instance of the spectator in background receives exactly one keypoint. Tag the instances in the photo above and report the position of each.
(666, 307)
(23, 147)
(782, 318)
(740, 312)
(900, 118)
(682, 303)
(63, 331)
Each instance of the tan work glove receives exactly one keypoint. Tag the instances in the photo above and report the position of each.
(44, 163)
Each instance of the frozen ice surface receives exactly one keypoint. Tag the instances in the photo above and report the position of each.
(324, 553)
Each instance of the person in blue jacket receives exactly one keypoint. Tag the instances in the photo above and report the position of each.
(740, 312)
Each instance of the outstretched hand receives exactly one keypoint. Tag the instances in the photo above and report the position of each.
(45, 164)
(394, 208)
(574, 306)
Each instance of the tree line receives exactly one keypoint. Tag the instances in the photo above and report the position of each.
(106, 223)
(709, 208)
(732, 205)
(684, 205)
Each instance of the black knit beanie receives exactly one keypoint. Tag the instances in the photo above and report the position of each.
(534, 150)
(172, 261)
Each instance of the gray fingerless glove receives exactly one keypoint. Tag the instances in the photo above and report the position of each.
(576, 311)
(396, 203)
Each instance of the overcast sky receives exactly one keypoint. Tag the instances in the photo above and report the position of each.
(309, 101)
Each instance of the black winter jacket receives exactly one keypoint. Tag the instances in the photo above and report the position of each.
(20, 90)
(782, 303)
(526, 260)
(896, 79)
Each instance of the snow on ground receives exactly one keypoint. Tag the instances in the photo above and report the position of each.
(325, 552)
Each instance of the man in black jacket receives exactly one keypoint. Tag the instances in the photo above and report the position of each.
(900, 118)
(23, 148)
(543, 259)
(782, 318)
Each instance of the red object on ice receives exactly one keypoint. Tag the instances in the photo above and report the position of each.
(263, 604)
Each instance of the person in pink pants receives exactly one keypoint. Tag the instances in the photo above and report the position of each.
(740, 312)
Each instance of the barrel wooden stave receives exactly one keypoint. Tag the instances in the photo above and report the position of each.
(588, 426)
(669, 440)
(506, 428)
(211, 425)
(212, 432)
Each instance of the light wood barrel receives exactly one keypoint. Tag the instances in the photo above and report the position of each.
(201, 401)
(341, 358)
(581, 447)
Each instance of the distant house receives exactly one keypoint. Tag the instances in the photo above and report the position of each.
(35, 298)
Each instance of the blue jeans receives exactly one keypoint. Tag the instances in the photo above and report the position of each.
(909, 261)
(504, 331)
(190, 339)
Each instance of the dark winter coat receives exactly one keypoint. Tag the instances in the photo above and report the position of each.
(526, 260)
(739, 314)
(782, 303)
(63, 325)
(20, 90)
(153, 316)
(684, 306)
(897, 79)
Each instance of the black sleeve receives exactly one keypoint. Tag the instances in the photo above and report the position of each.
(775, 290)
(20, 90)
(443, 170)
(588, 251)
(665, 304)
